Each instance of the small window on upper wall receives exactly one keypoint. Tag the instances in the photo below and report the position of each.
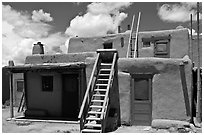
(161, 47)
(47, 83)
(20, 85)
(108, 45)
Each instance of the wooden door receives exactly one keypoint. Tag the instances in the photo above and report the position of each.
(70, 96)
(141, 110)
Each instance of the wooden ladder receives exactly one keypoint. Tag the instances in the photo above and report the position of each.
(96, 117)
(132, 51)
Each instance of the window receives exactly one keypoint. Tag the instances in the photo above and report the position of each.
(47, 83)
(108, 45)
(161, 47)
(20, 85)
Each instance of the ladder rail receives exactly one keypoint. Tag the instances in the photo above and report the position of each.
(129, 42)
(88, 87)
(136, 36)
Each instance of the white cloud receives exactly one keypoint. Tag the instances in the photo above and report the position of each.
(177, 12)
(41, 16)
(20, 32)
(100, 19)
(106, 7)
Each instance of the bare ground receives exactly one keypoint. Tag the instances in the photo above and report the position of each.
(46, 127)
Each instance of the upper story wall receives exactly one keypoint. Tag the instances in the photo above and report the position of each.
(178, 43)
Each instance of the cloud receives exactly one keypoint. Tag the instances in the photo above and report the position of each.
(41, 16)
(100, 19)
(20, 31)
(178, 12)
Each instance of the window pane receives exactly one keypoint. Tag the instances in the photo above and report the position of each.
(161, 48)
(141, 89)
(47, 83)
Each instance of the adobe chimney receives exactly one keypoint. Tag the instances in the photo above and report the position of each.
(38, 48)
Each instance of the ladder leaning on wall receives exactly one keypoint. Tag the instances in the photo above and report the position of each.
(132, 51)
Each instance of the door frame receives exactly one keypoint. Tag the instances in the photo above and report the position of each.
(132, 92)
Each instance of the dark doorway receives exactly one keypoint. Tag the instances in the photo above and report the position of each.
(70, 96)
(108, 45)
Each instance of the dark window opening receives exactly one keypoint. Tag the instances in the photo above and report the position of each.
(20, 85)
(108, 45)
(122, 41)
(47, 83)
(147, 43)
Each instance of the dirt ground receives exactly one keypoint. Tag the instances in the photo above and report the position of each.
(46, 127)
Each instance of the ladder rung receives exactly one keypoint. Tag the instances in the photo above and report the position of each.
(103, 74)
(98, 84)
(103, 79)
(92, 125)
(96, 106)
(93, 118)
(108, 64)
(94, 112)
(105, 69)
(97, 100)
(90, 131)
(100, 89)
(98, 95)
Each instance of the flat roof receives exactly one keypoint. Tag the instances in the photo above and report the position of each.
(45, 66)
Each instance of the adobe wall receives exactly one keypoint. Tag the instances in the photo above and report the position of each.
(37, 99)
(59, 58)
(179, 43)
(167, 93)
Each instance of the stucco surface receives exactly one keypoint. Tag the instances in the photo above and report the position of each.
(179, 43)
(167, 93)
(124, 80)
(59, 58)
(37, 99)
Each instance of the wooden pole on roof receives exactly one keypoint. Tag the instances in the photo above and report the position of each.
(191, 38)
(11, 63)
(199, 93)
(129, 42)
(136, 45)
(191, 56)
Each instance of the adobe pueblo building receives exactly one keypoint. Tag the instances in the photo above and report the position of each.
(100, 84)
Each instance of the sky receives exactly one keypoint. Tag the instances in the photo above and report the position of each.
(53, 23)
